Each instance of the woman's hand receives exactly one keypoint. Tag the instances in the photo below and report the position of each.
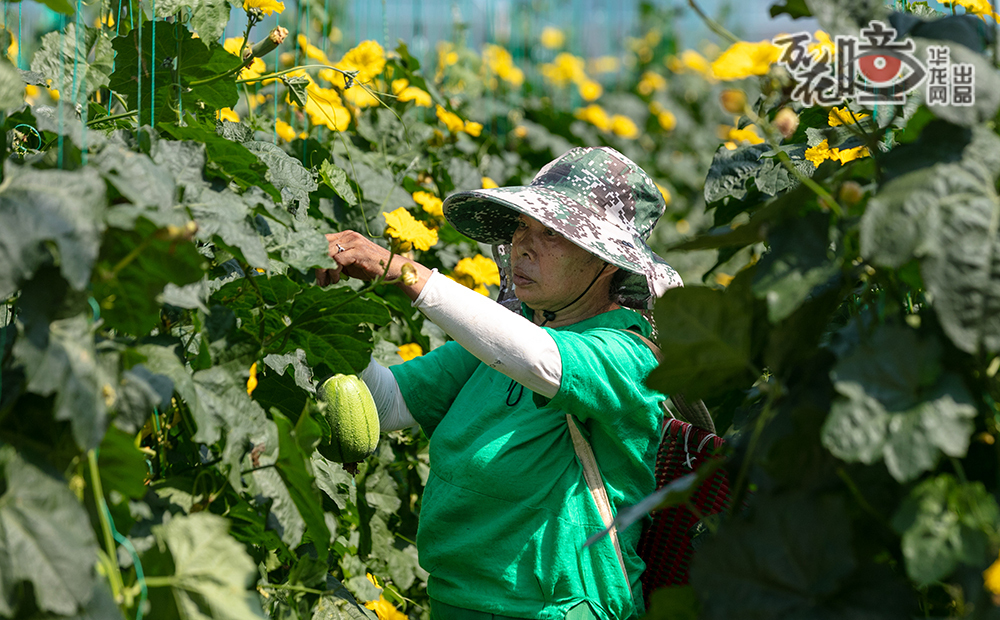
(359, 257)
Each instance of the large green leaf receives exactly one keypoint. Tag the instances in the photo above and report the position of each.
(731, 170)
(225, 218)
(337, 603)
(133, 269)
(197, 62)
(227, 160)
(62, 360)
(789, 558)
(945, 216)
(945, 523)
(122, 465)
(139, 179)
(287, 174)
(336, 178)
(42, 207)
(896, 404)
(797, 263)
(208, 574)
(334, 328)
(708, 345)
(296, 444)
(77, 61)
(11, 87)
(208, 17)
(45, 539)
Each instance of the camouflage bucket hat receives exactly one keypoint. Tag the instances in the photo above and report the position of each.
(595, 197)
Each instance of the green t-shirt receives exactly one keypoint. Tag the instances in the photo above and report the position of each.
(506, 510)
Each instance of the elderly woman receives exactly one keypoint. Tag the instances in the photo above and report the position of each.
(506, 510)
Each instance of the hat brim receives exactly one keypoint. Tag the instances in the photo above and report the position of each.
(491, 216)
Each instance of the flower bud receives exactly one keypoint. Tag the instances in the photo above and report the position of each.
(270, 43)
(786, 121)
(408, 274)
(850, 193)
(733, 100)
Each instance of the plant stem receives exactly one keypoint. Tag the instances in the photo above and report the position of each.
(817, 189)
(115, 576)
(113, 117)
(713, 25)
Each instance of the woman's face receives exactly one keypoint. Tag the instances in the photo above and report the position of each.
(550, 271)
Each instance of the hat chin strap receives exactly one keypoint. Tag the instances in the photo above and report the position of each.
(550, 315)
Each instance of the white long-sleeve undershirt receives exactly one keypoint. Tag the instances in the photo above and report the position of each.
(501, 339)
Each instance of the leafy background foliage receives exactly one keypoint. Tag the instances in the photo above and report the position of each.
(164, 333)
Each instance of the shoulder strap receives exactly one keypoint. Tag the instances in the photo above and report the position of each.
(696, 413)
(595, 484)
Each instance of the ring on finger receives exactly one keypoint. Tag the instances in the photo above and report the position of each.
(340, 248)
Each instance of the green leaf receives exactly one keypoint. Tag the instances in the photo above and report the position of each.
(673, 603)
(227, 160)
(134, 268)
(846, 17)
(944, 215)
(730, 171)
(208, 575)
(122, 465)
(185, 161)
(226, 219)
(793, 8)
(139, 180)
(796, 264)
(337, 603)
(62, 360)
(336, 178)
(287, 174)
(791, 557)
(296, 85)
(943, 524)
(65, 58)
(333, 327)
(709, 344)
(197, 62)
(897, 405)
(295, 446)
(45, 538)
(42, 207)
(208, 17)
(11, 87)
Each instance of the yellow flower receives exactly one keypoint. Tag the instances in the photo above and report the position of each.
(12, 48)
(382, 607)
(690, 60)
(499, 61)
(595, 115)
(366, 58)
(252, 381)
(429, 202)
(256, 69)
(450, 120)
(589, 90)
(286, 132)
(981, 8)
(520, 131)
(360, 96)
(664, 191)
(410, 351)
(227, 114)
(624, 127)
(324, 107)
(266, 6)
(402, 226)
(476, 273)
(603, 64)
(566, 68)
(744, 59)
(666, 119)
(311, 51)
(650, 83)
(553, 38)
(822, 152)
(473, 128)
(489, 183)
(823, 43)
(31, 93)
(404, 92)
(748, 134)
(843, 116)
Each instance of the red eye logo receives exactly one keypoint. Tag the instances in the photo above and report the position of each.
(879, 68)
